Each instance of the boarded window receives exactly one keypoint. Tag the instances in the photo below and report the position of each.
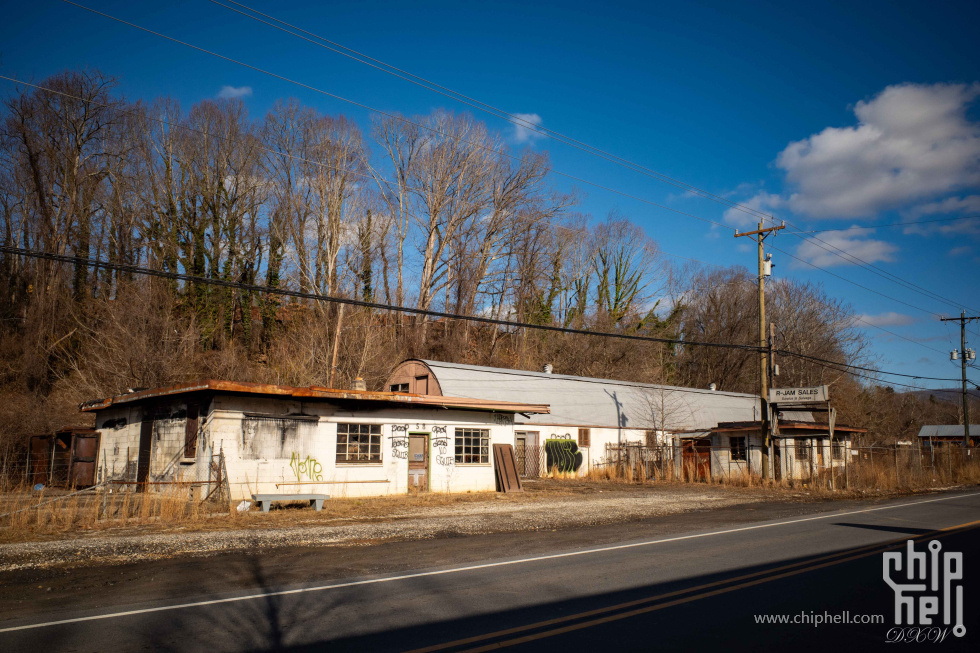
(803, 450)
(585, 437)
(472, 446)
(651, 438)
(398, 387)
(736, 447)
(358, 443)
(264, 438)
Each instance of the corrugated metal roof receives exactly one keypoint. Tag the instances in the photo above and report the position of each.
(314, 392)
(577, 400)
(947, 431)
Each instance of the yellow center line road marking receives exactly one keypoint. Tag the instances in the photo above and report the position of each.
(487, 565)
(884, 546)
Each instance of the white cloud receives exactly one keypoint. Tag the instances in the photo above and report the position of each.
(960, 251)
(885, 319)
(950, 205)
(523, 132)
(761, 201)
(912, 143)
(233, 92)
(853, 241)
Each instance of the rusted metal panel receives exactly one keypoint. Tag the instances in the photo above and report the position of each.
(505, 469)
(84, 459)
(316, 392)
(696, 459)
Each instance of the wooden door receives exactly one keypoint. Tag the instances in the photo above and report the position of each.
(418, 462)
(819, 445)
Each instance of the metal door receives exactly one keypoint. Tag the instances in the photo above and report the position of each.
(696, 459)
(418, 462)
(84, 456)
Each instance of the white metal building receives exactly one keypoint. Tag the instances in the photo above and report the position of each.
(281, 439)
(587, 414)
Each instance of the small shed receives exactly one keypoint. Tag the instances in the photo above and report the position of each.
(591, 420)
(258, 439)
(935, 435)
(802, 447)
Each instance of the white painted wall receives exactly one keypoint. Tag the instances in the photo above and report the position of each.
(306, 459)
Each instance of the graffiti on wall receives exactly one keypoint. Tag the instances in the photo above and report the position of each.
(309, 467)
(399, 446)
(441, 446)
(562, 454)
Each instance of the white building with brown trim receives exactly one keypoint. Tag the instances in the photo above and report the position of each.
(277, 439)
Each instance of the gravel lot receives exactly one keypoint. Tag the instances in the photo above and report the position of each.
(546, 506)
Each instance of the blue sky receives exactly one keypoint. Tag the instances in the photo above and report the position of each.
(836, 116)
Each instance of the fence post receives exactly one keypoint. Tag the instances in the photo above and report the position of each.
(898, 478)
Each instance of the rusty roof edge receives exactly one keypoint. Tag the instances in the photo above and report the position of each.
(317, 392)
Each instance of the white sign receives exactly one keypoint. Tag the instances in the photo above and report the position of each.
(798, 395)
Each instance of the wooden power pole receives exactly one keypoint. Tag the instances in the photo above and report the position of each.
(764, 271)
(966, 355)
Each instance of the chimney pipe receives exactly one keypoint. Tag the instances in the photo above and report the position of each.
(548, 368)
(712, 386)
(359, 384)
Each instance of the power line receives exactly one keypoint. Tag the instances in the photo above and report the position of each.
(482, 106)
(187, 278)
(854, 283)
(885, 226)
(366, 176)
(517, 120)
(421, 126)
(391, 115)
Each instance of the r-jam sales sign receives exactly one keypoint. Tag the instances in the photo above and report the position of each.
(798, 395)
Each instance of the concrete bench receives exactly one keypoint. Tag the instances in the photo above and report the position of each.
(265, 500)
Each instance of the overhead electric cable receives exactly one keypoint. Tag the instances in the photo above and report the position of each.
(389, 115)
(521, 122)
(187, 278)
(404, 120)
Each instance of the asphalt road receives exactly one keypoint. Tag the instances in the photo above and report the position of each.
(677, 590)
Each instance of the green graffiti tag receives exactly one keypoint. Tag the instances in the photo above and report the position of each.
(308, 467)
(562, 455)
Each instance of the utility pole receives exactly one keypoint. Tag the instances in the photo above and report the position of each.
(967, 355)
(765, 269)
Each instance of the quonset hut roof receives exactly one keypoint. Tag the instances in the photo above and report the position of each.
(577, 400)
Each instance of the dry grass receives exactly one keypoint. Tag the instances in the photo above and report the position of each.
(886, 473)
(27, 515)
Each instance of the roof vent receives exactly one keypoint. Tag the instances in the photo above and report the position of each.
(359, 384)
(712, 386)
(548, 368)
